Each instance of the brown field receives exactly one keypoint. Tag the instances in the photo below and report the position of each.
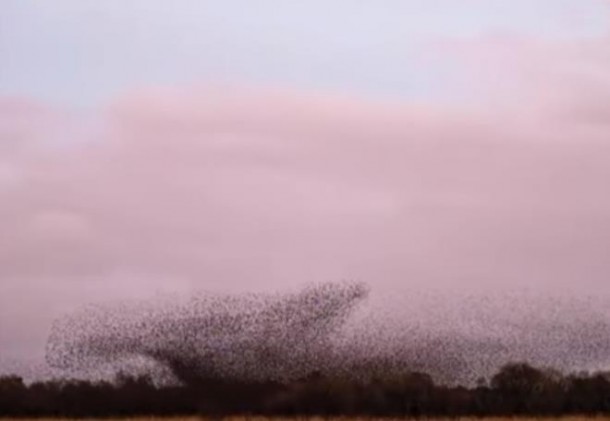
(566, 418)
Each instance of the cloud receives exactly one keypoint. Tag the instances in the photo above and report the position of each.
(174, 189)
(549, 78)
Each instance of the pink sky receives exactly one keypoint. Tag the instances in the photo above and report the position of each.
(181, 189)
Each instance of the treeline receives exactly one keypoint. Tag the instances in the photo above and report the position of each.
(516, 389)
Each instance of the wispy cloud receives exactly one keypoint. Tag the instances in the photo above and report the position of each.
(183, 188)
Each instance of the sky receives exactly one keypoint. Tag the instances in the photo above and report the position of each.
(85, 52)
(444, 148)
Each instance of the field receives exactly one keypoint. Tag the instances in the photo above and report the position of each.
(566, 418)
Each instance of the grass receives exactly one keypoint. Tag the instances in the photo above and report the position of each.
(563, 418)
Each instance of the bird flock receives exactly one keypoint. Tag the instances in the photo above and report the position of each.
(283, 337)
